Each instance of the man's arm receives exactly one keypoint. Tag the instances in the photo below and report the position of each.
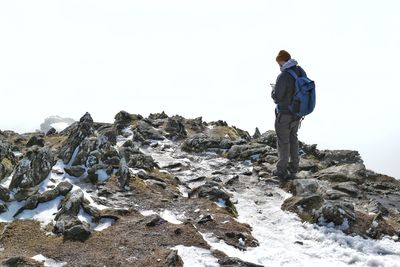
(279, 91)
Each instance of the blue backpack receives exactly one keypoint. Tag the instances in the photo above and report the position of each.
(303, 100)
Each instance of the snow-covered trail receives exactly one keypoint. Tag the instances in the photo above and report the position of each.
(284, 240)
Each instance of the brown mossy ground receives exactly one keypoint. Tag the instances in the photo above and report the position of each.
(129, 242)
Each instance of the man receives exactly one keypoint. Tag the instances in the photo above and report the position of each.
(286, 123)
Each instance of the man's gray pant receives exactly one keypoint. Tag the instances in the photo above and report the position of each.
(286, 126)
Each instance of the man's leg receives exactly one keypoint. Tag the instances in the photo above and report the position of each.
(294, 147)
(283, 143)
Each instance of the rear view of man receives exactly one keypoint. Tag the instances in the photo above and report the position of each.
(286, 122)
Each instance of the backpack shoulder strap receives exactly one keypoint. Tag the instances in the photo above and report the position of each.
(293, 73)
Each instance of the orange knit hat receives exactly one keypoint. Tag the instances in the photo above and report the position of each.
(283, 56)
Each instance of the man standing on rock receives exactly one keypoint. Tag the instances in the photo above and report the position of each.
(286, 123)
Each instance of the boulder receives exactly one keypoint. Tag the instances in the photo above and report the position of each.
(142, 161)
(335, 157)
(4, 194)
(175, 129)
(7, 160)
(338, 213)
(154, 220)
(304, 206)
(350, 188)
(268, 138)
(33, 168)
(343, 173)
(173, 259)
(202, 142)
(35, 141)
(76, 171)
(83, 129)
(247, 151)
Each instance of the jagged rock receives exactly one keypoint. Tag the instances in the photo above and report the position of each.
(308, 165)
(66, 219)
(4, 194)
(219, 123)
(304, 187)
(76, 171)
(147, 131)
(24, 193)
(83, 129)
(202, 142)
(214, 192)
(51, 131)
(64, 188)
(343, 173)
(235, 262)
(124, 174)
(337, 212)
(3, 207)
(33, 168)
(173, 259)
(256, 134)
(334, 157)
(158, 116)
(107, 135)
(154, 220)
(304, 206)
(175, 129)
(141, 161)
(196, 125)
(123, 119)
(35, 141)
(308, 149)
(7, 160)
(247, 151)
(86, 146)
(350, 188)
(268, 138)
(78, 232)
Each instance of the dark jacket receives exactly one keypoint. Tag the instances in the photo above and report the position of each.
(285, 87)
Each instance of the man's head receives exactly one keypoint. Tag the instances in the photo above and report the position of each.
(282, 57)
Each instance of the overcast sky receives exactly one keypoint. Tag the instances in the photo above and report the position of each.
(207, 58)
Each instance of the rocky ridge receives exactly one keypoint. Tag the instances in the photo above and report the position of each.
(139, 185)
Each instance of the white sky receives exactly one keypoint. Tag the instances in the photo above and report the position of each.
(210, 58)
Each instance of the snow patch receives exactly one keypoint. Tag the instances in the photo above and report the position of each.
(48, 262)
(196, 257)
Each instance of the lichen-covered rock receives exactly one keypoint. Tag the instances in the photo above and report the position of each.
(7, 160)
(147, 131)
(67, 222)
(268, 138)
(247, 151)
(335, 157)
(33, 168)
(305, 206)
(202, 142)
(173, 259)
(142, 161)
(175, 129)
(338, 213)
(343, 173)
(4, 193)
(83, 129)
(76, 171)
(123, 173)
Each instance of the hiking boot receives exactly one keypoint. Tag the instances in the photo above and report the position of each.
(281, 175)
